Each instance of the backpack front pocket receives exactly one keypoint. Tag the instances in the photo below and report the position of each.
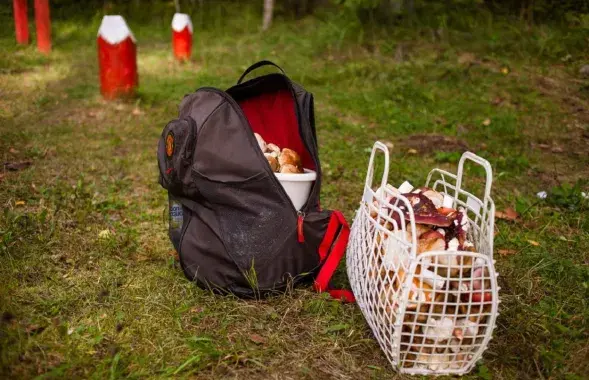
(253, 219)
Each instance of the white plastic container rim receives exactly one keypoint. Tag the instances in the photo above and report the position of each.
(297, 186)
(308, 175)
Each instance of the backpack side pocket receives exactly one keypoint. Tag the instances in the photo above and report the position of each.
(175, 155)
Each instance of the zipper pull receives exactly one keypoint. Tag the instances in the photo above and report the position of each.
(300, 220)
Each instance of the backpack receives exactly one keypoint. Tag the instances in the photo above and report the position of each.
(231, 221)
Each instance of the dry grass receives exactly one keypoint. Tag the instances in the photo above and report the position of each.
(77, 305)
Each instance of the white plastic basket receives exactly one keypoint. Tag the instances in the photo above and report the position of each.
(433, 312)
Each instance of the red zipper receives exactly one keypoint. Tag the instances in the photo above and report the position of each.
(300, 220)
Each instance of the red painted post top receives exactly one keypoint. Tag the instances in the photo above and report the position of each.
(117, 58)
(182, 36)
(43, 24)
(21, 22)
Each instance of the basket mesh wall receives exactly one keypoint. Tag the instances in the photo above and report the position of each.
(435, 312)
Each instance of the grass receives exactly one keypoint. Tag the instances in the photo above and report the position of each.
(80, 302)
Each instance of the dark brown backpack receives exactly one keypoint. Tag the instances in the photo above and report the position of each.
(233, 225)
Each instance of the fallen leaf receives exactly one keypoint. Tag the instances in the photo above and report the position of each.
(534, 243)
(412, 151)
(496, 101)
(487, 122)
(196, 310)
(174, 254)
(34, 329)
(13, 151)
(557, 149)
(136, 111)
(504, 70)
(1, 177)
(14, 166)
(466, 58)
(389, 144)
(507, 252)
(19, 203)
(507, 214)
(257, 339)
(543, 146)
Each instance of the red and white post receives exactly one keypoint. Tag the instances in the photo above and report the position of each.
(21, 21)
(43, 24)
(117, 58)
(182, 36)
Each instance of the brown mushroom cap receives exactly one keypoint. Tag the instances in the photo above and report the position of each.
(290, 157)
(431, 194)
(431, 241)
(272, 148)
(290, 169)
(273, 162)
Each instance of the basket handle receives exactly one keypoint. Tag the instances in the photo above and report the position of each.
(488, 172)
(370, 172)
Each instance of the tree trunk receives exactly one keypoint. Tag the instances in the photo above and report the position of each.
(268, 12)
(177, 5)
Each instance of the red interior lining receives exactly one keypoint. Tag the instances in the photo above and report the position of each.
(273, 116)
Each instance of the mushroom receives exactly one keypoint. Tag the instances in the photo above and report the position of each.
(273, 149)
(261, 142)
(465, 329)
(481, 286)
(290, 157)
(425, 211)
(290, 169)
(273, 162)
(439, 330)
(421, 229)
(396, 255)
(418, 293)
(431, 278)
(389, 296)
(433, 361)
(430, 241)
(436, 198)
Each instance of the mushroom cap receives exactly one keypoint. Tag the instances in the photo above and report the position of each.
(273, 148)
(426, 212)
(420, 229)
(436, 198)
(288, 168)
(273, 162)
(289, 157)
(261, 142)
(431, 241)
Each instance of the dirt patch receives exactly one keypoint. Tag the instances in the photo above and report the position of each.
(566, 91)
(429, 143)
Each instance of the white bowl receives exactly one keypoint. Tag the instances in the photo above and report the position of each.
(297, 186)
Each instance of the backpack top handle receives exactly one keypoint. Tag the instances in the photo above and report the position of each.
(256, 66)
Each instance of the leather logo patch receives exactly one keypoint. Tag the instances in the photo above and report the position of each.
(170, 144)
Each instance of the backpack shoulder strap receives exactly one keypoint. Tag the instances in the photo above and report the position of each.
(331, 251)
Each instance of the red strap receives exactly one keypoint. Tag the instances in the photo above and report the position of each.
(331, 259)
